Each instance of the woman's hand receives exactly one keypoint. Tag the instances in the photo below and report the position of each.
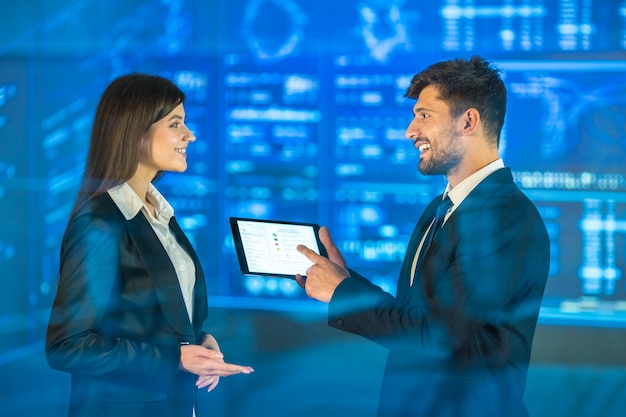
(207, 362)
(209, 381)
(209, 342)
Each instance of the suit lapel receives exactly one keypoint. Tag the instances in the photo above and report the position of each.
(481, 193)
(200, 298)
(161, 270)
(418, 234)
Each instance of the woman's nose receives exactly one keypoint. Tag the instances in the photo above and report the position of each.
(190, 137)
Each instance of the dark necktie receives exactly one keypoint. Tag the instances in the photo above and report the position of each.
(443, 208)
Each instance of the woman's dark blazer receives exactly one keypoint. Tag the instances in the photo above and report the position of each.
(119, 317)
(460, 337)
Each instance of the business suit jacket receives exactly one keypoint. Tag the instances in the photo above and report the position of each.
(460, 337)
(119, 317)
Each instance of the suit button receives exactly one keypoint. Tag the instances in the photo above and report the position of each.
(340, 322)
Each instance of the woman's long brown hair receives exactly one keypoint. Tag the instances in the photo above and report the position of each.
(127, 109)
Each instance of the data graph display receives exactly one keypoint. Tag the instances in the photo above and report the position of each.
(299, 112)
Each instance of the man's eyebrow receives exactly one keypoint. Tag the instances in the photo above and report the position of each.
(420, 109)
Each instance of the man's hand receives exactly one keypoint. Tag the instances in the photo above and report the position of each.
(323, 277)
(333, 253)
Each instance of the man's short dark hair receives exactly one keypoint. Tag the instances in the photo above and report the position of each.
(465, 84)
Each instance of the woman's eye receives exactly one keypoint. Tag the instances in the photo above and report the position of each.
(176, 125)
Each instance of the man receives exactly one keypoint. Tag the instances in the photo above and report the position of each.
(459, 330)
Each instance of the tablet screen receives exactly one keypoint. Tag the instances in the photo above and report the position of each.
(268, 247)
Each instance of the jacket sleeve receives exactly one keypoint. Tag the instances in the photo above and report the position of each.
(483, 284)
(77, 339)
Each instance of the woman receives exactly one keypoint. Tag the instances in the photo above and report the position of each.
(131, 300)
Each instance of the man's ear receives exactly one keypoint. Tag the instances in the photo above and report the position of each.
(470, 121)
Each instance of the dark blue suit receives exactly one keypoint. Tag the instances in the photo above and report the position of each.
(460, 337)
(119, 317)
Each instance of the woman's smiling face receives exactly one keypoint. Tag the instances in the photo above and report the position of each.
(164, 146)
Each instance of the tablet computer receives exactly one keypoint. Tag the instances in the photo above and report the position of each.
(268, 247)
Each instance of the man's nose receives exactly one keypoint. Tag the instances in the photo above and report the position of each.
(411, 131)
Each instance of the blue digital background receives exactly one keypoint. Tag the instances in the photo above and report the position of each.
(299, 112)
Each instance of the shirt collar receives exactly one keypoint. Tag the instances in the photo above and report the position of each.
(130, 204)
(462, 189)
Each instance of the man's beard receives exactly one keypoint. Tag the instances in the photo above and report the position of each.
(444, 157)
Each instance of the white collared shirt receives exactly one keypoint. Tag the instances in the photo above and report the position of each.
(457, 195)
(462, 189)
(130, 204)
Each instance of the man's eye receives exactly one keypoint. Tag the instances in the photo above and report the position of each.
(423, 115)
